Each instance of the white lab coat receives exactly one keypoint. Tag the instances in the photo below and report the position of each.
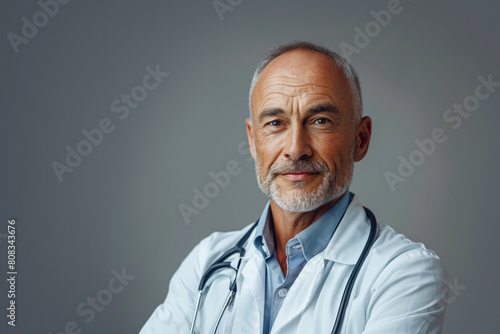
(399, 289)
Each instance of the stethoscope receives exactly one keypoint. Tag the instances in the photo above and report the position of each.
(220, 263)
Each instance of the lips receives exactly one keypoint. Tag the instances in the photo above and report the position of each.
(298, 176)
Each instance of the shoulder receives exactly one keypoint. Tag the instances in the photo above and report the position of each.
(204, 254)
(396, 258)
(403, 287)
(225, 238)
(391, 245)
(214, 245)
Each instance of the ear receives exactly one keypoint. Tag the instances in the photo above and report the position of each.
(250, 136)
(363, 135)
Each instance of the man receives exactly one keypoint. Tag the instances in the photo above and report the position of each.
(305, 132)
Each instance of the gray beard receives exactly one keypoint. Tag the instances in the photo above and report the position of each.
(331, 188)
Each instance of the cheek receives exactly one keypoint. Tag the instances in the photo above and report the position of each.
(267, 149)
(334, 153)
(269, 139)
(264, 161)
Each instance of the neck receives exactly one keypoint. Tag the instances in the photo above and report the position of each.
(288, 224)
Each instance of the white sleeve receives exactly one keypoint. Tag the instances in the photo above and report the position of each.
(408, 296)
(175, 314)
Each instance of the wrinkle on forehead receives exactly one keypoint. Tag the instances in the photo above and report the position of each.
(302, 74)
(301, 97)
(295, 88)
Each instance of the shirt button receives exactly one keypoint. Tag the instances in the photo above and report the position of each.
(282, 292)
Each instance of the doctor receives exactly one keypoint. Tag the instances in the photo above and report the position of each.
(305, 132)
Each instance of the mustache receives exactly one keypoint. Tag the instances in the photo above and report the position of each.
(309, 166)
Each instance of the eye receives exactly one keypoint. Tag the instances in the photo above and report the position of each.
(321, 121)
(275, 123)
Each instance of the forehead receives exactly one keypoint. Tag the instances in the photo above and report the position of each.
(305, 75)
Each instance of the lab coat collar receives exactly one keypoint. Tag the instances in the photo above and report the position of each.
(345, 247)
(350, 237)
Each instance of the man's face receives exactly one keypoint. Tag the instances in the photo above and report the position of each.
(302, 134)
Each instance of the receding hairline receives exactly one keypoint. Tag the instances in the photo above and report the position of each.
(340, 63)
(316, 64)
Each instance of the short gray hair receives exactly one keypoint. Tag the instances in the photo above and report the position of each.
(344, 65)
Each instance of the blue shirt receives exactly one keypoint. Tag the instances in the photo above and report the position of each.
(300, 249)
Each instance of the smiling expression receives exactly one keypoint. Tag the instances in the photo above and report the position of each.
(302, 135)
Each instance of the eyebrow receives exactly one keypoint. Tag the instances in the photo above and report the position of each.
(324, 107)
(270, 112)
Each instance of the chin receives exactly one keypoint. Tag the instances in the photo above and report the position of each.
(301, 201)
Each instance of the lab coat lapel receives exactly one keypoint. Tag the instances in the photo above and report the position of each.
(344, 248)
(350, 237)
(251, 291)
(301, 292)
(254, 279)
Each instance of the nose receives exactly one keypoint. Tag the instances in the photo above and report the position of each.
(297, 146)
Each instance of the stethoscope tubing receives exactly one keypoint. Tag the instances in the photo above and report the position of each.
(238, 248)
(354, 274)
(196, 308)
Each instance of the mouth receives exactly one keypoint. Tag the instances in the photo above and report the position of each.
(298, 176)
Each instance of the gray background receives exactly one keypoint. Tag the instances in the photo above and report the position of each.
(120, 207)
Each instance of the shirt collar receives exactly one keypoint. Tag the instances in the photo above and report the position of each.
(264, 240)
(313, 239)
